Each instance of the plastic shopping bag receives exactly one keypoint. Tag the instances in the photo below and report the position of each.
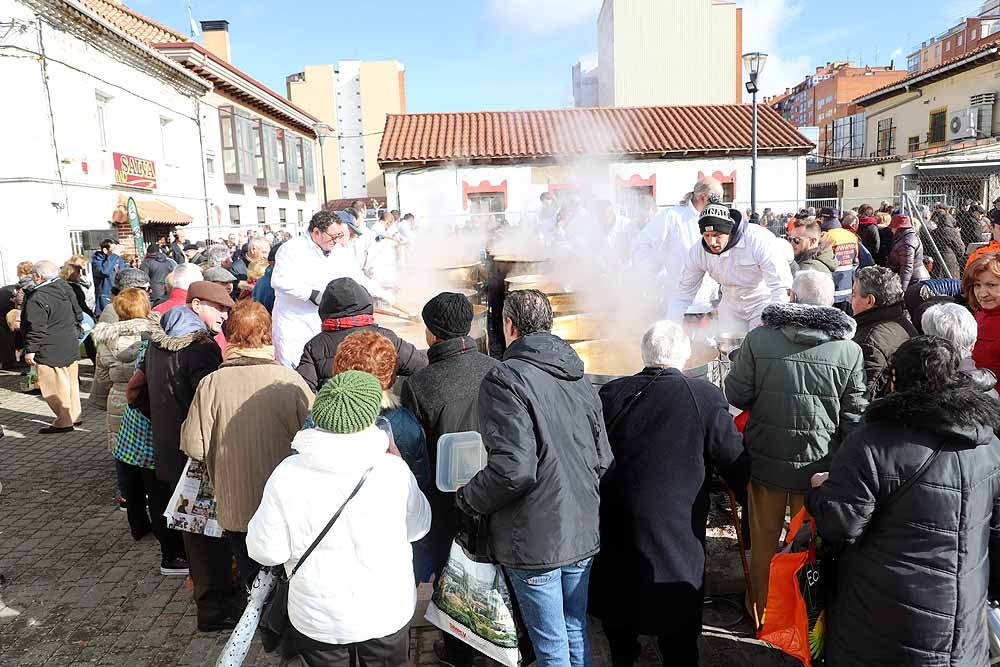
(236, 649)
(471, 602)
(192, 506)
(794, 617)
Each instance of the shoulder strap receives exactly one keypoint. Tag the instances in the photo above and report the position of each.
(319, 538)
(914, 478)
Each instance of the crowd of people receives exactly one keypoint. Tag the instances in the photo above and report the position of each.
(862, 377)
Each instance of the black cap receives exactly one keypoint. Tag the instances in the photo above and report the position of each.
(344, 297)
(448, 315)
(829, 212)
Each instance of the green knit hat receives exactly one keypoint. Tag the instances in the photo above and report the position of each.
(348, 402)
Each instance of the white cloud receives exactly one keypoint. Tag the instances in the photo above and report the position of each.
(896, 54)
(766, 27)
(540, 17)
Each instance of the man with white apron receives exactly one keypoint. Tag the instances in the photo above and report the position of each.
(680, 234)
(302, 269)
(743, 259)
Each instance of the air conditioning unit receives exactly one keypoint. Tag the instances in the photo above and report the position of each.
(971, 123)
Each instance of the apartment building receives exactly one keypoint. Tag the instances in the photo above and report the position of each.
(964, 37)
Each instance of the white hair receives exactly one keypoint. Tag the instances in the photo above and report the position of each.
(260, 243)
(46, 269)
(813, 288)
(184, 275)
(707, 186)
(665, 345)
(951, 322)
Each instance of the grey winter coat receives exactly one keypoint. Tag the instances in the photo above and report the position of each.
(913, 578)
(547, 449)
(117, 350)
(802, 379)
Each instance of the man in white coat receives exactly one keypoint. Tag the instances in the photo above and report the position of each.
(743, 259)
(680, 234)
(302, 269)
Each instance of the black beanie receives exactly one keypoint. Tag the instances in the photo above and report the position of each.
(448, 315)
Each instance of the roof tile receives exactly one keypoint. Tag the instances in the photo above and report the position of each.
(132, 23)
(606, 131)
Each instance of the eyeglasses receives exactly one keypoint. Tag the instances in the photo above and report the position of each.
(795, 240)
(332, 237)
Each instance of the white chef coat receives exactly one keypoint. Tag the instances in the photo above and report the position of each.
(300, 268)
(681, 233)
(753, 273)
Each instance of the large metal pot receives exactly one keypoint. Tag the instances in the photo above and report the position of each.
(414, 332)
(516, 265)
(538, 281)
(579, 327)
(608, 359)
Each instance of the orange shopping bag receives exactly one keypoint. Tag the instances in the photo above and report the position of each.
(794, 617)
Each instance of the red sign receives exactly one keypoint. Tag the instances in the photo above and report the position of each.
(134, 172)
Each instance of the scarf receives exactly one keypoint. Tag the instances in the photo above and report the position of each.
(262, 352)
(351, 322)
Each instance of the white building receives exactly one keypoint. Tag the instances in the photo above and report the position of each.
(458, 165)
(655, 52)
(98, 117)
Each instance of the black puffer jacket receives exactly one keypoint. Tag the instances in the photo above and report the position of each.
(913, 579)
(174, 365)
(543, 427)
(50, 323)
(881, 330)
(344, 298)
(948, 240)
(907, 257)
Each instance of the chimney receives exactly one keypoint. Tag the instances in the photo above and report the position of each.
(215, 38)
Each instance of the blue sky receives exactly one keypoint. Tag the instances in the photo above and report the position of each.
(466, 55)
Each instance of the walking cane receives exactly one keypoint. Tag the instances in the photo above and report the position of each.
(735, 516)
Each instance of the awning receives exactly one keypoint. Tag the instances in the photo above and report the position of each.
(978, 165)
(151, 212)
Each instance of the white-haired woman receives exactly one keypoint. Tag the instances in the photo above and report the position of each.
(956, 324)
(667, 431)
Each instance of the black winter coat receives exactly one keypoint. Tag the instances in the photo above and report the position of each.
(948, 240)
(50, 323)
(157, 267)
(881, 330)
(174, 365)
(547, 449)
(654, 499)
(344, 298)
(913, 578)
(907, 257)
(870, 239)
(443, 398)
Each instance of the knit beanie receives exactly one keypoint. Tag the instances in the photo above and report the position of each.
(716, 218)
(448, 315)
(348, 403)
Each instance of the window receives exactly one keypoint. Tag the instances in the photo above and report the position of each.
(913, 144)
(728, 192)
(972, 37)
(959, 41)
(102, 119)
(282, 171)
(261, 215)
(238, 161)
(308, 166)
(293, 161)
(886, 139)
(271, 166)
(486, 202)
(937, 126)
(260, 170)
(165, 144)
(210, 165)
(856, 182)
(234, 215)
(947, 46)
(231, 175)
(282, 217)
(301, 220)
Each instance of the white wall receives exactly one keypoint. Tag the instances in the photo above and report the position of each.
(437, 191)
(42, 147)
(350, 128)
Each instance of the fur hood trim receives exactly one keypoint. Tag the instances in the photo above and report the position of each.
(960, 410)
(105, 332)
(178, 343)
(830, 321)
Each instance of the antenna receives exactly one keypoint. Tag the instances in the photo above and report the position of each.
(195, 30)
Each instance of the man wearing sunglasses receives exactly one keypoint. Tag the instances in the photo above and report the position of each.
(303, 268)
(812, 252)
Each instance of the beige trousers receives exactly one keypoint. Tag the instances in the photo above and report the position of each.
(60, 388)
(767, 519)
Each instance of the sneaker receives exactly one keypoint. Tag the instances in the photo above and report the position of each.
(174, 567)
(52, 430)
(227, 623)
(122, 504)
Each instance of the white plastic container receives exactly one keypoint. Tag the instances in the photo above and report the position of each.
(459, 457)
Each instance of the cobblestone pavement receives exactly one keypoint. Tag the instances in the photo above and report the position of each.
(80, 591)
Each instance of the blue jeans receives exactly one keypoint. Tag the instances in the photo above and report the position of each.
(554, 606)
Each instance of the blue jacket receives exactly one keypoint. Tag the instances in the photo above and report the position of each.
(105, 268)
(411, 443)
(263, 293)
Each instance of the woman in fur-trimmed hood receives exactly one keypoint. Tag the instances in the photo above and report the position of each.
(914, 575)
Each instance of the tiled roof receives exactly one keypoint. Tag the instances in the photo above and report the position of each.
(491, 136)
(901, 84)
(132, 23)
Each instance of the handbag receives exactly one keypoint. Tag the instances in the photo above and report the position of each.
(274, 624)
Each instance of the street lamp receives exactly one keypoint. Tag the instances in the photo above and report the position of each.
(322, 131)
(753, 63)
